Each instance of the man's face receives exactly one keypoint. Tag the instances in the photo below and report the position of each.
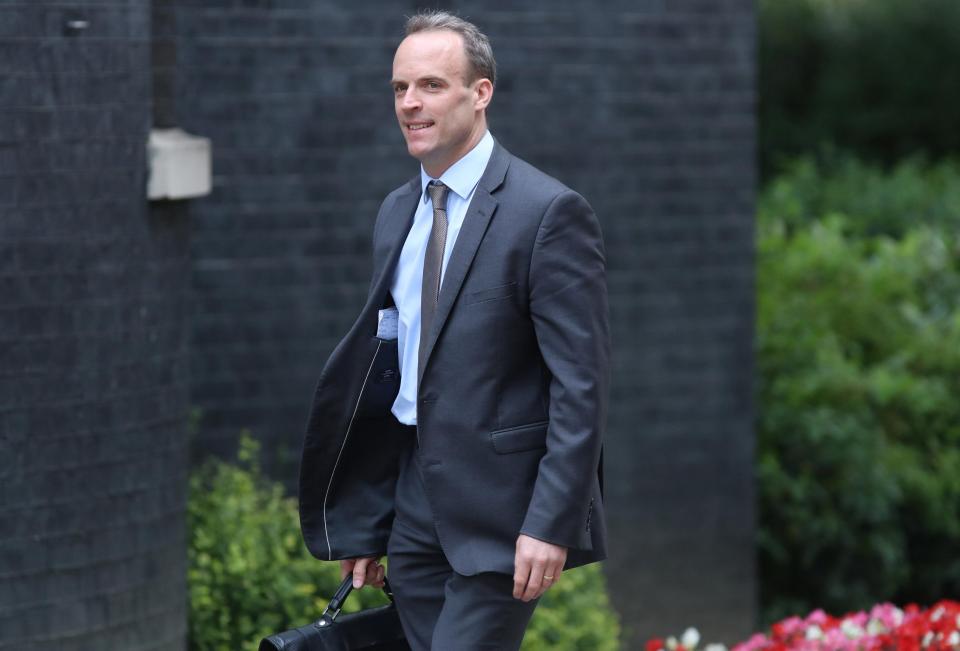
(440, 114)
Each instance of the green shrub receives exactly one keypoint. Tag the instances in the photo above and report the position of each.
(250, 575)
(874, 201)
(881, 77)
(859, 420)
(574, 615)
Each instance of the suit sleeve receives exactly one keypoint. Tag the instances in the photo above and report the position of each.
(568, 306)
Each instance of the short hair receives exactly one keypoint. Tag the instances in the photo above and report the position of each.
(475, 43)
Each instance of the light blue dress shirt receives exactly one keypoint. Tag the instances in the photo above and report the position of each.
(462, 178)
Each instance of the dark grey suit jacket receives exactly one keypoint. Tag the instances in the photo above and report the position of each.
(512, 398)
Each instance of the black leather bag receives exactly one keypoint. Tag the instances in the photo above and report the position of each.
(375, 629)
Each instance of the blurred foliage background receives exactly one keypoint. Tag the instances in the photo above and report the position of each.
(878, 77)
(858, 325)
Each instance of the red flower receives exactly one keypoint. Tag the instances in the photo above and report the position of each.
(654, 644)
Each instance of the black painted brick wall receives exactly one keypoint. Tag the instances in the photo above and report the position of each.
(644, 106)
(295, 98)
(93, 365)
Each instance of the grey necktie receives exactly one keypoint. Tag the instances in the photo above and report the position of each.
(432, 263)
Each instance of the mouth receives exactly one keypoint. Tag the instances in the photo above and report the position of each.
(419, 126)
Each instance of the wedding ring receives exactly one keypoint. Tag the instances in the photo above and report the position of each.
(548, 577)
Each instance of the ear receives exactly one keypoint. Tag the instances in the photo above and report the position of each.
(482, 94)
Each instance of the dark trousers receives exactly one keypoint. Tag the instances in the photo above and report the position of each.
(441, 610)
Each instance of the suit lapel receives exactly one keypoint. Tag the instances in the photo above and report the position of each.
(397, 221)
(475, 223)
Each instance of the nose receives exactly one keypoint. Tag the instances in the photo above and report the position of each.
(408, 100)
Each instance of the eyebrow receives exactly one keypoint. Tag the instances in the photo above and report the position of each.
(394, 82)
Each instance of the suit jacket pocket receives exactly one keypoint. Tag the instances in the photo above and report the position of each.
(490, 294)
(520, 438)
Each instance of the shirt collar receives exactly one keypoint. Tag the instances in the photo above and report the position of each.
(463, 176)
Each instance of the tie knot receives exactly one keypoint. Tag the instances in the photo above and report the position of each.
(438, 195)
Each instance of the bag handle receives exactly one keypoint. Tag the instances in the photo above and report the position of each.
(336, 603)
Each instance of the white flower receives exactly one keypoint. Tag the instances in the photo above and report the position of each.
(715, 647)
(671, 643)
(928, 638)
(875, 627)
(954, 639)
(851, 630)
(814, 633)
(690, 639)
(898, 616)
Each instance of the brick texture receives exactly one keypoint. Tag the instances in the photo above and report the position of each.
(93, 365)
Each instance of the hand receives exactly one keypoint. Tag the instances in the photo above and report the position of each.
(366, 571)
(534, 561)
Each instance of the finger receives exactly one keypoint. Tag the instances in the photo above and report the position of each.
(373, 570)
(532, 590)
(521, 573)
(360, 572)
(549, 583)
(375, 574)
(346, 567)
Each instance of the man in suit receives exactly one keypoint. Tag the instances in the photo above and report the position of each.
(457, 427)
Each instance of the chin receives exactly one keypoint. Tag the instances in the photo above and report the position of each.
(418, 151)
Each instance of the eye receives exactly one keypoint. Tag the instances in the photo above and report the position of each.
(433, 85)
